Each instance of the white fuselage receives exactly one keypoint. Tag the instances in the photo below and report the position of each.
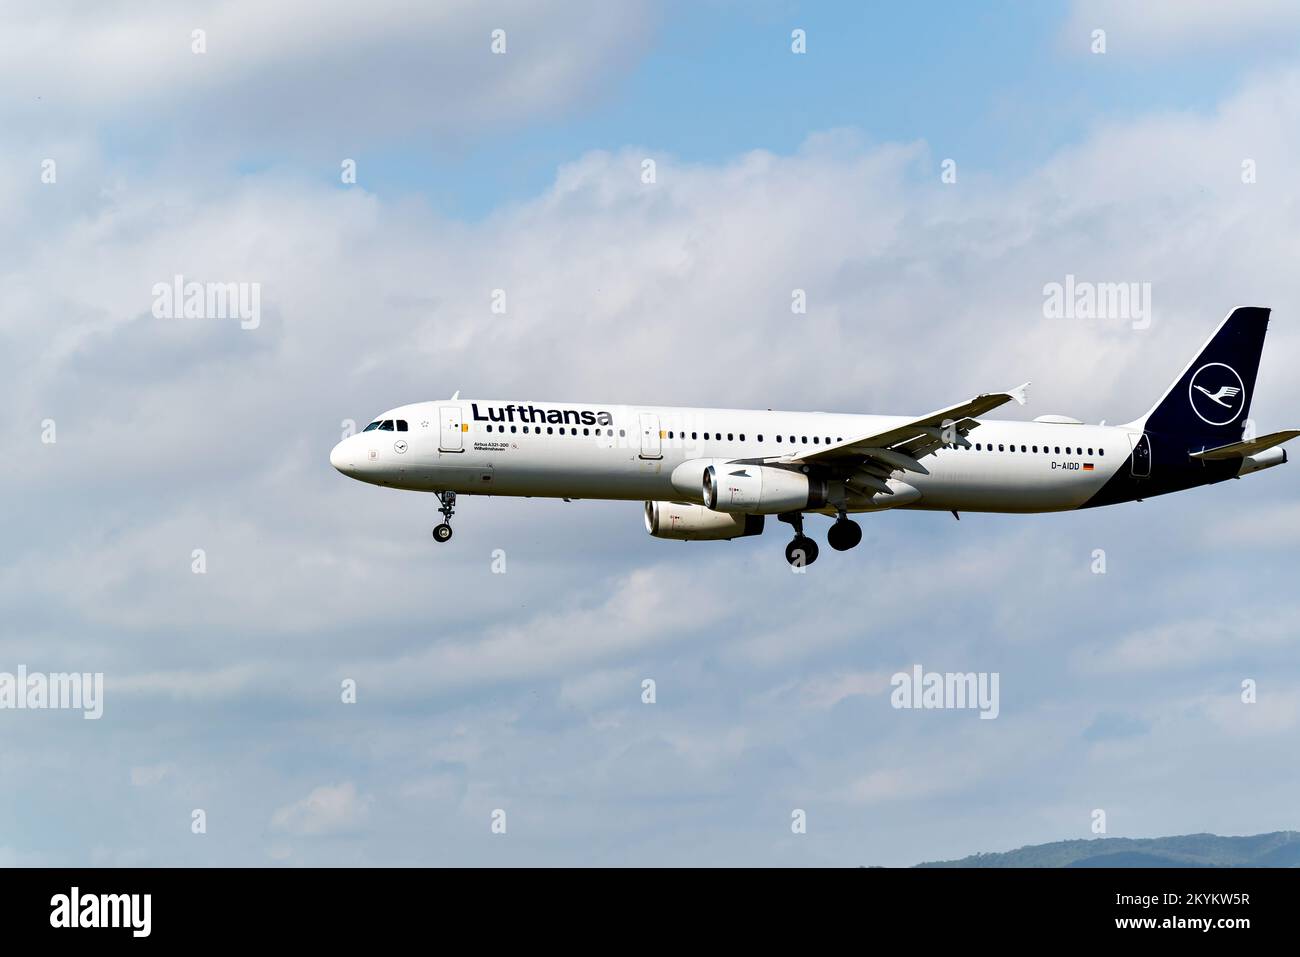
(566, 450)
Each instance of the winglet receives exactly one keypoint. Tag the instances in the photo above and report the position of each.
(1018, 393)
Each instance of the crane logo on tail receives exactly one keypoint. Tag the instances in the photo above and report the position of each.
(1217, 393)
(1227, 391)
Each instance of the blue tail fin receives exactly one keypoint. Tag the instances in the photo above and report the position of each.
(1207, 405)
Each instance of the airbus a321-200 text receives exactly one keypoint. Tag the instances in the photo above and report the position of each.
(716, 474)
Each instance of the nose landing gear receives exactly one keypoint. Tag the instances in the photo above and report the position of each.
(442, 532)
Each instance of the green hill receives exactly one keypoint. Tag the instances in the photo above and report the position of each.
(1279, 849)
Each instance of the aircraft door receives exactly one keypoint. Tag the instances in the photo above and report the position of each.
(1140, 464)
(651, 444)
(452, 429)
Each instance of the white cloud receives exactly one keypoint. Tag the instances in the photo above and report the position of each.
(328, 809)
(1274, 528)
(298, 72)
(641, 610)
(826, 691)
(1276, 709)
(1188, 642)
(601, 687)
(1174, 26)
(147, 776)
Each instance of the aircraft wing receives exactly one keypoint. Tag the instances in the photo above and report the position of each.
(878, 455)
(1239, 450)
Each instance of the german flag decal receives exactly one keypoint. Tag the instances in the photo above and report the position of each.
(1087, 466)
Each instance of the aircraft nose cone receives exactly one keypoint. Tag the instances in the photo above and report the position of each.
(340, 459)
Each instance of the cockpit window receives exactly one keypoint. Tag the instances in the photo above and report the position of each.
(386, 425)
(372, 426)
(401, 425)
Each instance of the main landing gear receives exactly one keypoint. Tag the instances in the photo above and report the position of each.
(844, 534)
(802, 550)
(442, 532)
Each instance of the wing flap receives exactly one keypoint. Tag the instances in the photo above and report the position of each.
(920, 437)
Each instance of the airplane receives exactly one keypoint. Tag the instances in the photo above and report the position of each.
(717, 474)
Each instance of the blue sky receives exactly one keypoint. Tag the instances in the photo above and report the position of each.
(718, 79)
(521, 691)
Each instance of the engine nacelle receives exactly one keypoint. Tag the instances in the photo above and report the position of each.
(695, 523)
(1263, 460)
(760, 489)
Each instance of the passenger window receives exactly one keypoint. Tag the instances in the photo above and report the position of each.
(1101, 452)
(1023, 449)
(1001, 447)
(730, 437)
(760, 437)
(550, 431)
(514, 428)
(623, 434)
(1090, 451)
(816, 441)
(694, 435)
(778, 438)
(742, 436)
(803, 439)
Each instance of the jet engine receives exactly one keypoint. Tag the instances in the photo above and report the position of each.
(1263, 460)
(695, 523)
(760, 489)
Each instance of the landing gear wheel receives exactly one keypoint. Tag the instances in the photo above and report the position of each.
(802, 551)
(442, 533)
(844, 534)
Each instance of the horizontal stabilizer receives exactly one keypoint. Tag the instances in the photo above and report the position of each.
(1239, 450)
